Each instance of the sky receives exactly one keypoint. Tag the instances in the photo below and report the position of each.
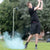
(1, 1)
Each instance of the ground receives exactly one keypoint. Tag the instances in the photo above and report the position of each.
(31, 46)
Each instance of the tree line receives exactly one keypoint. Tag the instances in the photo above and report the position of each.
(22, 17)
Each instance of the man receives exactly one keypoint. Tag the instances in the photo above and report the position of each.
(35, 24)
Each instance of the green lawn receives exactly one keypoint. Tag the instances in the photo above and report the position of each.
(31, 46)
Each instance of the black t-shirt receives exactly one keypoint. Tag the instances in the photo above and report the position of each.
(33, 14)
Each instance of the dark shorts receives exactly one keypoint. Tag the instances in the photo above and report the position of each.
(35, 28)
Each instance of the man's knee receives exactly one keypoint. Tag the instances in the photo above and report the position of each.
(37, 34)
(31, 35)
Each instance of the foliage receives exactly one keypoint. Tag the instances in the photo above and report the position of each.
(22, 18)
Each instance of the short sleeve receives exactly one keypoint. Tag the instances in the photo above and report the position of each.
(33, 8)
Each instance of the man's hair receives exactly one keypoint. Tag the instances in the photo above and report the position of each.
(28, 3)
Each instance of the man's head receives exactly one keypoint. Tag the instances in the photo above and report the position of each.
(29, 4)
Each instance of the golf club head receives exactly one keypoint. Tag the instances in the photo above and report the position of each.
(16, 8)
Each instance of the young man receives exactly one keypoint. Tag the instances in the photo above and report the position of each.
(35, 24)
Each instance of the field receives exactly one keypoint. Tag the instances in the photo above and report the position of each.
(31, 46)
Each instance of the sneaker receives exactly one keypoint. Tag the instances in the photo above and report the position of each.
(36, 48)
(25, 46)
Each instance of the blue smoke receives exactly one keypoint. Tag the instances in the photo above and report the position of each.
(13, 43)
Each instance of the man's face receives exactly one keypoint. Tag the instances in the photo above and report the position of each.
(30, 5)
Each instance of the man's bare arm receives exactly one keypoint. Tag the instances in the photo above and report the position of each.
(37, 6)
(41, 6)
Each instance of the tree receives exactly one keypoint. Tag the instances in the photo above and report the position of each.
(22, 17)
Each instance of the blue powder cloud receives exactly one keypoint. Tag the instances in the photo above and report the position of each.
(13, 43)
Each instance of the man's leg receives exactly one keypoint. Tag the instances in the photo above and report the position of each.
(36, 40)
(28, 40)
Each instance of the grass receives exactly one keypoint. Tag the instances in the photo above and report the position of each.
(31, 46)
